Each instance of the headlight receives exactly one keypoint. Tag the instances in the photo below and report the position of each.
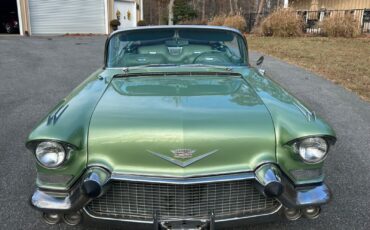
(50, 154)
(313, 149)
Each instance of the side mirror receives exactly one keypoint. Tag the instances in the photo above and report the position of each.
(259, 64)
(260, 61)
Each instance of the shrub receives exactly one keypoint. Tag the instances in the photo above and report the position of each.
(281, 23)
(340, 26)
(236, 21)
(141, 23)
(115, 23)
(217, 20)
(193, 22)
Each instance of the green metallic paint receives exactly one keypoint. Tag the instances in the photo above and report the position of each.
(290, 124)
(205, 113)
(70, 125)
(114, 121)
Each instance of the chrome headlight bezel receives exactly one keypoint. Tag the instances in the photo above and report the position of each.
(56, 151)
(305, 149)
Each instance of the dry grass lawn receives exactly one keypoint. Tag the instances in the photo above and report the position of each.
(343, 61)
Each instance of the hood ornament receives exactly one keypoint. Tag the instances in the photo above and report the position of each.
(182, 154)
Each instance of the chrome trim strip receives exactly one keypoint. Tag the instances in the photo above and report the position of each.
(120, 220)
(305, 111)
(185, 181)
(180, 176)
(252, 216)
(217, 221)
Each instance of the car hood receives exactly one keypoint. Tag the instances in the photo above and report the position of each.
(180, 126)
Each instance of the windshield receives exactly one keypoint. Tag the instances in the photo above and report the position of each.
(176, 46)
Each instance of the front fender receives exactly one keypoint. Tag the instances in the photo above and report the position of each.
(292, 120)
(68, 122)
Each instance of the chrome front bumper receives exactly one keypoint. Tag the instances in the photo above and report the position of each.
(268, 180)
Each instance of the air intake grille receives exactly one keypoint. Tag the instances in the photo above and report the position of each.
(139, 200)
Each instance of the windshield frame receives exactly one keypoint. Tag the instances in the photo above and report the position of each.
(236, 32)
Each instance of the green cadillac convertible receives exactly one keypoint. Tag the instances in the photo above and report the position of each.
(178, 131)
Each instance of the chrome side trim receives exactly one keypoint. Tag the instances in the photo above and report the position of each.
(185, 181)
(305, 111)
(217, 221)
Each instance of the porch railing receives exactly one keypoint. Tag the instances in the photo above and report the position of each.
(312, 19)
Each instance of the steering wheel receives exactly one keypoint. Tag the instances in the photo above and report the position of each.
(215, 55)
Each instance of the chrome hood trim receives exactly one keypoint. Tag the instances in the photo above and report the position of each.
(185, 181)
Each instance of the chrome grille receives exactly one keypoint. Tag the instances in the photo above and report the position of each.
(140, 200)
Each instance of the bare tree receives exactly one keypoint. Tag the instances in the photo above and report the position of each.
(231, 7)
(261, 5)
(203, 9)
(158, 11)
(160, 14)
(236, 7)
(170, 12)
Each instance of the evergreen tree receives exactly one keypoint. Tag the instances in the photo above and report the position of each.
(182, 11)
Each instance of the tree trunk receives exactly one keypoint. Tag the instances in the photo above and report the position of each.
(286, 3)
(203, 9)
(259, 12)
(159, 8)
(236, 7)
(231, 7)
(170, 12)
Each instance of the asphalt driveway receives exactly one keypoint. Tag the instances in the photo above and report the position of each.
(35, 73)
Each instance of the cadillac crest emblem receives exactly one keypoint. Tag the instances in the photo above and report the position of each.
(183, 153)
(181, 156)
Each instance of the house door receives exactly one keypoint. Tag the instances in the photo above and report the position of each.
(125, 12)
